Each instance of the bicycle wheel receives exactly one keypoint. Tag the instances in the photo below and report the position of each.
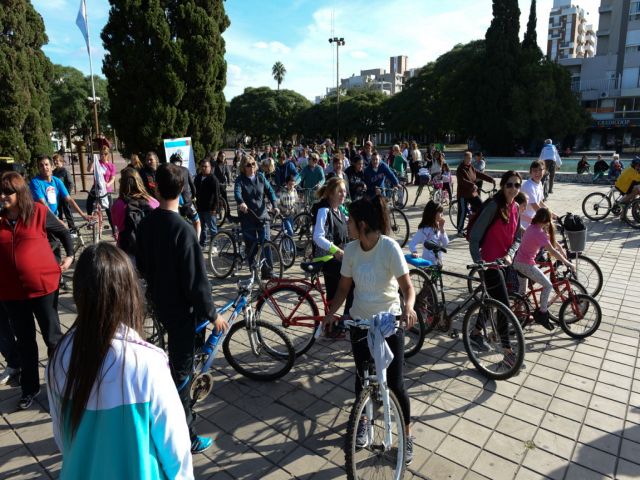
(499, 327)
(596, 206)
(418, 193)
(560, 293)
(288, 251)
(473, 281)
(437, 195)
(520, 308)
(303, 225)
(261, 353)
(588, 273)
(426, 301)
(374, 460)
(632, 214)
(154, 332)
(222, 254)
(400, 196)
(269, 260)
(580, 316)
(279, 306)
(453, 213)
(221, 213)
(399, 226)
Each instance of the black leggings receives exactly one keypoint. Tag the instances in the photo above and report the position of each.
(21, 313)
(395, 370)
(331, 271)
(497, 289)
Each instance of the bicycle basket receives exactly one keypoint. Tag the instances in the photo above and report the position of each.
(577, 240)
(423, 179)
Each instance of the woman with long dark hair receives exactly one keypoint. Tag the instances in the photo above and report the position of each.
(115, 409)
(375, 265)
(30, 275)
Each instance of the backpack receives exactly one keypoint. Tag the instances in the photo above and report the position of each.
(573, 223)
(136, 210)
(474, 217)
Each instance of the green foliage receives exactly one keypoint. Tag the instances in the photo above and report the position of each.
(25, 73)
(278, 71)
(530, 41)
(266, 114)
(166, 71)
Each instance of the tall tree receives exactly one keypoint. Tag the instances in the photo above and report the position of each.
(530, 40)
(25, 74)
(166, 71)
(278, 71)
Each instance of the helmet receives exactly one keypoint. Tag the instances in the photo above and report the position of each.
(176, 157)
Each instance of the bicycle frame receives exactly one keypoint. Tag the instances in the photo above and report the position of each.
(557, 284)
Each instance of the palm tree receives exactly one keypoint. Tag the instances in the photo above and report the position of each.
(278, 71)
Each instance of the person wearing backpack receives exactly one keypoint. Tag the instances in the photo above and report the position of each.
(131, 206)
(496, 236)
(330, 235)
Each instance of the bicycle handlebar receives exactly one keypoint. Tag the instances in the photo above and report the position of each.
(487, 265)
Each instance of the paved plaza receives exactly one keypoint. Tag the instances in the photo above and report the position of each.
(572, 413)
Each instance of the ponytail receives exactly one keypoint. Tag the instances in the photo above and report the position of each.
(372, 212)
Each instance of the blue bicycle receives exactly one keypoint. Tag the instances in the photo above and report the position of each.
(255, 349)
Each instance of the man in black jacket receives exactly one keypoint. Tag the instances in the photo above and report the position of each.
(208, 190)
(171, 261)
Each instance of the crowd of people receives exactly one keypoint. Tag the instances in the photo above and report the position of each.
(102, 368)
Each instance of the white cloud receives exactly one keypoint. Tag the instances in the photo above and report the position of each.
(261, 45)
(358, 54)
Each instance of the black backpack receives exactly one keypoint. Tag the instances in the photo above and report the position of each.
(573, 223)
(135, 211)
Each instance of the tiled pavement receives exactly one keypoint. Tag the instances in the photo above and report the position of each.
(573, 413)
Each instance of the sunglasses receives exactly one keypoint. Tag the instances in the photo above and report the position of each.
(8, 191)
(512, 185)
(249, 165)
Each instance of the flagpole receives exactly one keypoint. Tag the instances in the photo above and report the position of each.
(93, 86)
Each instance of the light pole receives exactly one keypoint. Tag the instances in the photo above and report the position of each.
(339, 42)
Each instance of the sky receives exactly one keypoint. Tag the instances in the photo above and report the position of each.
(296, 32)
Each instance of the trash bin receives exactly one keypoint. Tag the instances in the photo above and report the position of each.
(577, 240)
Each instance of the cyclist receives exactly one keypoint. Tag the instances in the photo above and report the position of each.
(287, 200)
(467, 193)
(549, 154)
(375, 265)
(104, 379)
(496, 236)
(430, 228)
(355, 176)
(539, 234)
(222, 172)
(399, 161)
(628, 182)
(63, 174)
(535, 192)
(104, 181)
(376, 174)
(312, 176)
(207, 189)
(148, 173)
(330, 235)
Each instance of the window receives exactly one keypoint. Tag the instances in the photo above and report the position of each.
(633, 38)
(624, 104)
(634, 8)
(630, 77)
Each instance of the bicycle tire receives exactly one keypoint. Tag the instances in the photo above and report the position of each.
(453, 213)
(221, 212)
(472, 282)
(223, 253)
(632, 214)
(414, 336)
(269, 249)
(400, 201)
(595, 203)
(272, 345)
(357, 461)
(437, 196)
(303, 225)
(559, 294)
(426, 305)
(492, 363)
(573, 312)
(399, 226)
(588, 273)
(288, 251)
(520, 307)
(302, 337)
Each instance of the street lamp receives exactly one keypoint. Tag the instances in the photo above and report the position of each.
(339, 42)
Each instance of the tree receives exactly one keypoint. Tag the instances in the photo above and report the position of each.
(530, 41)
(25, 74)
(166, 72)
(278, 71)
(265, 114)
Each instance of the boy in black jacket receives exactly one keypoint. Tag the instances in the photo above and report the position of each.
(170, 259)
(207, 192)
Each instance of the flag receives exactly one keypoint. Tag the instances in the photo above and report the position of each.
(81, 21)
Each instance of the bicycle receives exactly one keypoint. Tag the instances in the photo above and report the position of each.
(227, 253)
(78, 239)
(222, 212)
(286, 244)
(436, 190)
(597, 206)
(482, 317)
(579, 315)
(397, 196)
(254, 349)
(384, 455)
(453, 209)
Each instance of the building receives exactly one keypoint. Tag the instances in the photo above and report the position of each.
(609, 82)
(570, 36)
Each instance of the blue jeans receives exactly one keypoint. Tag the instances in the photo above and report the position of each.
(208, 226)
(287, 224)
(253, 234)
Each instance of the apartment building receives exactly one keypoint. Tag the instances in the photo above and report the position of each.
(570, 36)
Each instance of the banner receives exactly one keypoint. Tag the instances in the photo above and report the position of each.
(184, 148)
(81, 22)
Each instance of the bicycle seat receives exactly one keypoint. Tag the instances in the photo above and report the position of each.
(312, 267)
(434, 247)
(417, 262)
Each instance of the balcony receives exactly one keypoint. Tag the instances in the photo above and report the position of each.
(606, 87)
(605, 9)
(581, 38)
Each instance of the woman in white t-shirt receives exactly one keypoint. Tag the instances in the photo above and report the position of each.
(375, 264)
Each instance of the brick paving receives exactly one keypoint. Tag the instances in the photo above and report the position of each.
(572, 413)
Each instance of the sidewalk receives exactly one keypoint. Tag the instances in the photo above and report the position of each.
(573, 413)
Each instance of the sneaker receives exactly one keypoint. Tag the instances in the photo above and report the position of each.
(362, 435)
(509, 359)
(542, 318)
(479, 342)
(200, 444)
(8, 374)
(408, 458)
(26, 400)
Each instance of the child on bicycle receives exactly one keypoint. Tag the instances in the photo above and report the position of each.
(539, 234)
(522, 199)
(288, 198)
(431, 228)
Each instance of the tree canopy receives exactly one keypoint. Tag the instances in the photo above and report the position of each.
(25, 74)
